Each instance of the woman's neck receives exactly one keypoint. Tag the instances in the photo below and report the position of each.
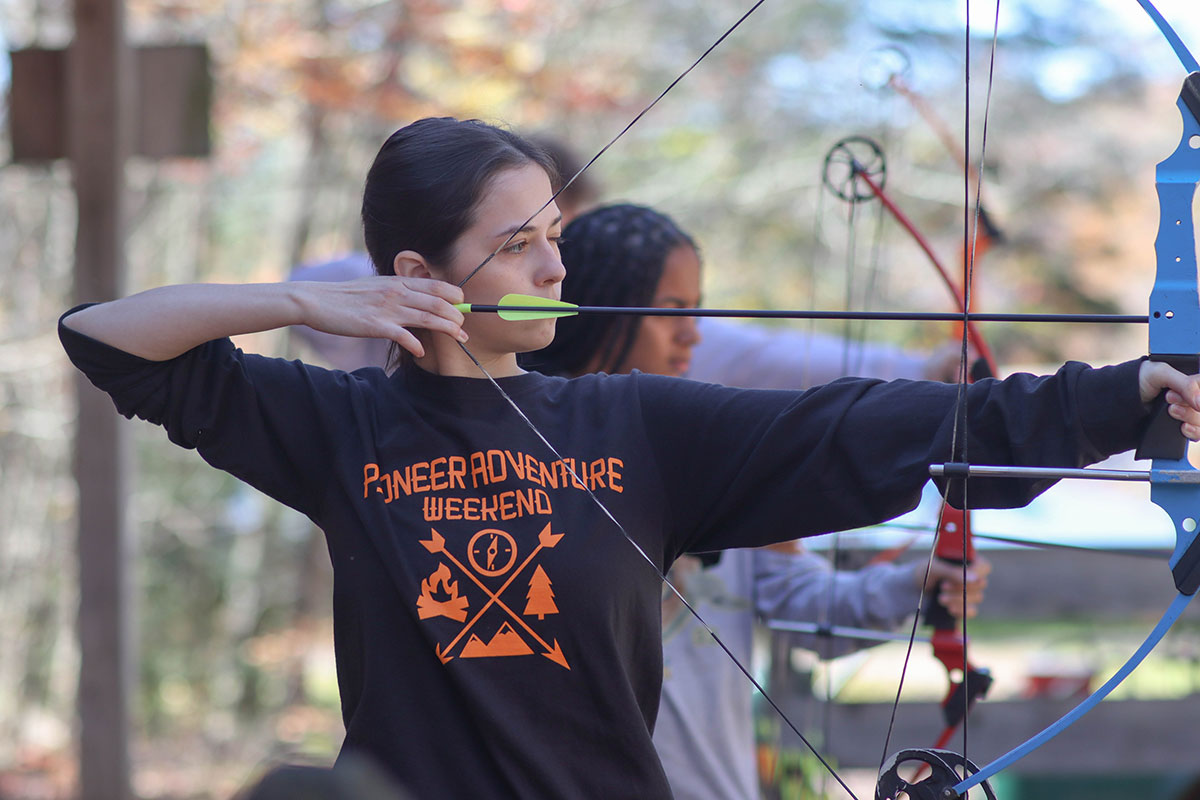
(444, 356)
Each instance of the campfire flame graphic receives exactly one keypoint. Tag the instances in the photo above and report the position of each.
(454, 606)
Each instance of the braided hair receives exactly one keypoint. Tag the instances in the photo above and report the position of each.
(614, 256)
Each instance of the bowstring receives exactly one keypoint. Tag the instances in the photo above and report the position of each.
(975, 210)
(972, 211)
(603, 150)
(529, 423)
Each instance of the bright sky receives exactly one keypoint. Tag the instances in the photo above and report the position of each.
(1182, 15)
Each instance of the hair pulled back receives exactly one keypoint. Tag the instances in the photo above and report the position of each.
(427, 179)
(614, 256)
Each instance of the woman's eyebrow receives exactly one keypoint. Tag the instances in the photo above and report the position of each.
(676, 300)
(529, 227)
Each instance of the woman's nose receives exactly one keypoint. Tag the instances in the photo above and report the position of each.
(688, 332)
(551, 269)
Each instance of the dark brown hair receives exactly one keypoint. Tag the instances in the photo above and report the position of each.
(426, 182)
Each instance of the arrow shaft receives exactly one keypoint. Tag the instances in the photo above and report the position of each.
(743, 313)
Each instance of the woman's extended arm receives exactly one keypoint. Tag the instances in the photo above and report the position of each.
(742, 466)
(163, 323)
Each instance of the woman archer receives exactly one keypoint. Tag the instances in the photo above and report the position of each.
(496, 635)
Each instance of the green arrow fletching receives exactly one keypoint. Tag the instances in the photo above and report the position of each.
(522, 307)
(546, 308)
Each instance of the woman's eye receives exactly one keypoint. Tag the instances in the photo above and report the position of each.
(516, 248)
(557, 241)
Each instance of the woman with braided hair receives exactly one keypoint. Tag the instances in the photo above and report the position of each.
(629, 255)
(625, 255)
(497, 633)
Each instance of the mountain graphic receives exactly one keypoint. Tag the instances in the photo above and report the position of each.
(506, 642)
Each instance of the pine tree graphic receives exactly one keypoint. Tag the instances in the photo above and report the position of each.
(540, 595)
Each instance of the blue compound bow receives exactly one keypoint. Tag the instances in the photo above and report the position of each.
(1175, 339)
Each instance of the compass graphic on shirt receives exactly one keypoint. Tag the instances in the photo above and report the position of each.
(492, 552)
(491, 555)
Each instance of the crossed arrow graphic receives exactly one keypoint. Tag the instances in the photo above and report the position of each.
(437, 545)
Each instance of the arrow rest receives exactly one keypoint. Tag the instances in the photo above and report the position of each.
(943, 767)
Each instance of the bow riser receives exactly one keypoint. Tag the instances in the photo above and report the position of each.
(1175, 326)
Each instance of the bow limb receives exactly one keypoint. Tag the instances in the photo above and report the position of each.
(1181, 51)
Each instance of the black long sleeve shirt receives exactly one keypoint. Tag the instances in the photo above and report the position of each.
(496, 635)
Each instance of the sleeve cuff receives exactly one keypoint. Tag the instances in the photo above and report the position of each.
(1111, 410)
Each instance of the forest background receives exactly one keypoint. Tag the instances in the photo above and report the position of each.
(233, 592)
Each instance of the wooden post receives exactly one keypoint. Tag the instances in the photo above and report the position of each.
(97, 103)
(99, 140)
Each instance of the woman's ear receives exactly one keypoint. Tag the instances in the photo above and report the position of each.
(411, 264)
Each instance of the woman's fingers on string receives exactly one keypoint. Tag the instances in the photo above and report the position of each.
(427, 303)
(446, 291)
(377, 306)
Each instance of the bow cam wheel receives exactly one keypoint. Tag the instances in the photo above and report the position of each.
(846, 163)
(932, 776)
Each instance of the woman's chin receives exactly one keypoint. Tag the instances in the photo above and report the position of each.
(538, 337)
